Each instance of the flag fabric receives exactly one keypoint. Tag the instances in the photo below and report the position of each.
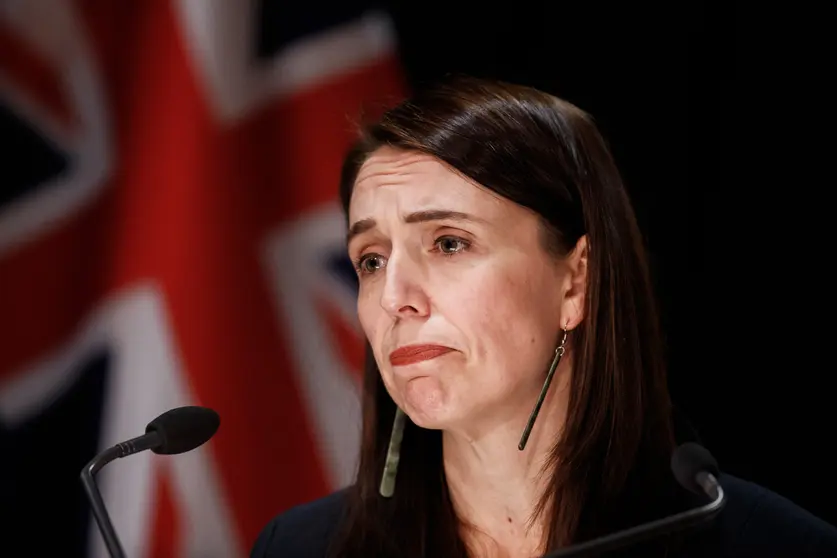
(170, 235)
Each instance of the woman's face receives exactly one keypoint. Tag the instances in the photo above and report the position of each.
(458, 298)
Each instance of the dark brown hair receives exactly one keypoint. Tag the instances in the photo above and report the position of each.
(610, 468)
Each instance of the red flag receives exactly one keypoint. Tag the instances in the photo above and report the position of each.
(182, 214)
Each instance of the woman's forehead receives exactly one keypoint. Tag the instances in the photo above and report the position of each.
(417, 181)
(387, 164)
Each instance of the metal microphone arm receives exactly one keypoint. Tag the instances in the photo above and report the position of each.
(140, 443)
(667, 525)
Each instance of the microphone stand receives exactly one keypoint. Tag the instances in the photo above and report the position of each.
(124, 449)
(683, 520)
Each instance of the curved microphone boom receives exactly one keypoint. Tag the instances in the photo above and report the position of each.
(696, 470)
(176, 431)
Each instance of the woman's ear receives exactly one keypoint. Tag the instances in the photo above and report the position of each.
(574, 285)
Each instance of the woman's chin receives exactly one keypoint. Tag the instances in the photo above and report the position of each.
(428, 421)
(426, 404)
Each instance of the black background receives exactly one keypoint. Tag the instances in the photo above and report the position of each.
(708, 155)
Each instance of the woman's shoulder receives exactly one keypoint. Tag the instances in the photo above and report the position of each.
(759, 522)
(303, 531)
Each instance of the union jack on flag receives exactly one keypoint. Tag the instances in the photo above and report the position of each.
(170, 235)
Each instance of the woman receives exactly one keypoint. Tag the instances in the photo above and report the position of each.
(515, 396)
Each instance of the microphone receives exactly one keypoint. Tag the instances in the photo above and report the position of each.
(175, 431)
(696, 470)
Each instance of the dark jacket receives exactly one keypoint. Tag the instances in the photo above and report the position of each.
(756, 523)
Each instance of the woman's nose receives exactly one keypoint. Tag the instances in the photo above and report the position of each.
(403, 295)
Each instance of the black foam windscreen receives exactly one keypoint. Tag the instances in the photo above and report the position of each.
(184, 429)
(690, 459)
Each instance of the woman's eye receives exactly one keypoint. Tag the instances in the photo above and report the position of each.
(446, 245)
(370, 263)
(450, 245)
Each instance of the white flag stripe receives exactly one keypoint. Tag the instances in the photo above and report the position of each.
(221, 33)
(88, 144)
(330, 391)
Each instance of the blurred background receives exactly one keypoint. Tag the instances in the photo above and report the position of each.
(170, 235)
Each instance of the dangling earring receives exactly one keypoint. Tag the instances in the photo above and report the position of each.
(387, 488)
(559, 352)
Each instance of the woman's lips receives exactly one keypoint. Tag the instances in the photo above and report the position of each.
(412, 354)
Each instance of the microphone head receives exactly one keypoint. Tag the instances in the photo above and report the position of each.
(184, 429)
(690, 459)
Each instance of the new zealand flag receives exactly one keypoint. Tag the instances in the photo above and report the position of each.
(170, 235)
